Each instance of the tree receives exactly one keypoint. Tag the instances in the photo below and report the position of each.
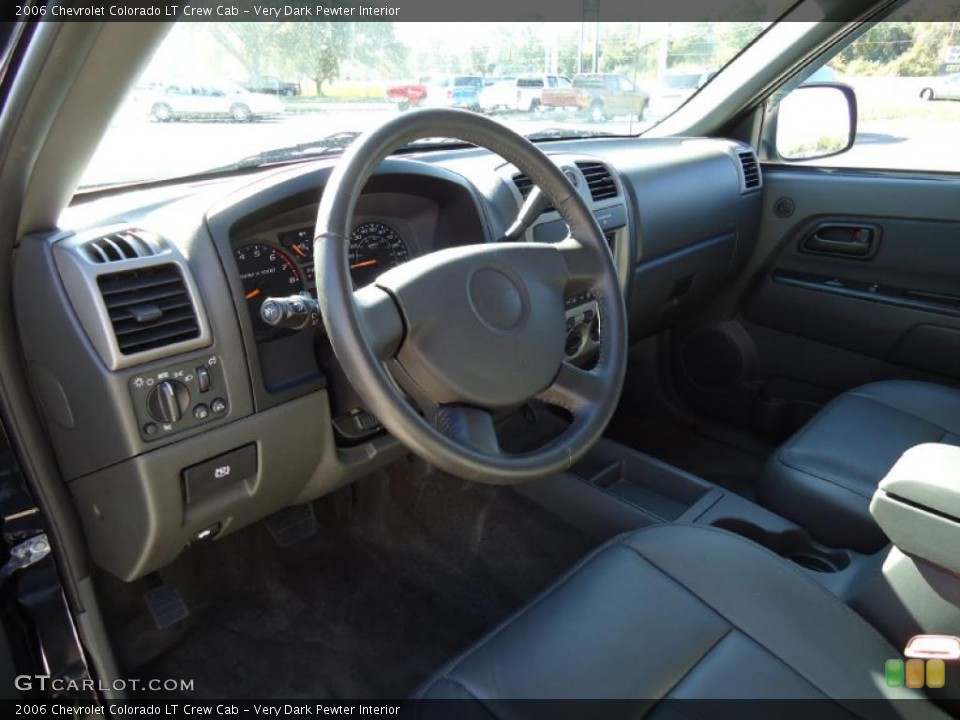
(318, 50)
(256, 45)
(880, 45)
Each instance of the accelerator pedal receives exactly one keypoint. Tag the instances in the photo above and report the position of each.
(292, 524)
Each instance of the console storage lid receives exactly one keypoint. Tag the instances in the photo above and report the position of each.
(917, 504)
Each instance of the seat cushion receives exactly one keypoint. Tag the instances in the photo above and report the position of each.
(678, 612)
(824, 476)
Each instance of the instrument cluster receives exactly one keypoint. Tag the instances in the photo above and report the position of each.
(282, 264)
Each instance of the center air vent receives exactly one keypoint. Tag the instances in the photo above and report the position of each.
(525, 185)
(149, 308)
(124, 245)
(599, 180)
(751, 170)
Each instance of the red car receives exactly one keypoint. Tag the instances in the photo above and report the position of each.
(406, 96)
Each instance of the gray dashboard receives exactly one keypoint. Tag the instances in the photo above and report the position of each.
(175, 418)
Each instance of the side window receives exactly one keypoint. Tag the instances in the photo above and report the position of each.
(552, 81)
(906, 77)
(563, 82)
(625, 85)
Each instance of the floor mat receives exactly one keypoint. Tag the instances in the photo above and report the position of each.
(353, 615)
(731, 466)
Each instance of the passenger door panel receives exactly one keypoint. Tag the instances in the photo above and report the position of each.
(841, 314)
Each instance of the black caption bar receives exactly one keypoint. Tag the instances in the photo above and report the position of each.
(465, 709)
(432, 10)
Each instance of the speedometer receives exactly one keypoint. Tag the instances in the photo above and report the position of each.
(375, 247)
(265, 271)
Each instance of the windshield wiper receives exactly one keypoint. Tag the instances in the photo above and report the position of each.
(566, 134)
(329, 145)
(338, 142)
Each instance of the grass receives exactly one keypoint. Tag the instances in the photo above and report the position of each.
(940, 110)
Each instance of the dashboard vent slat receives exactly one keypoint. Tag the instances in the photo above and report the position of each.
(751, 170)
(525, 185)
(599, 180)
(149, 308)
(124, 245)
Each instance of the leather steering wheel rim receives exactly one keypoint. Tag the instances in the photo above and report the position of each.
(376, 325)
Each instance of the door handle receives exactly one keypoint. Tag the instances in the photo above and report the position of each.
(855, 241)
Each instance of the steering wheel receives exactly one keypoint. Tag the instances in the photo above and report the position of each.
(471, 330)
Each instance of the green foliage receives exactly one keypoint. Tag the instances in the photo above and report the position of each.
(902, 48)
(317, 50)
(880, 45)
(256, 45)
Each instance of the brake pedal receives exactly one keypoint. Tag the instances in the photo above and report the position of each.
(292, 524)
(166, 605)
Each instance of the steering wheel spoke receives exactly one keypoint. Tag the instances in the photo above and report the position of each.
(583, 265)
(574, 389)
(381, 320)
(469, 425)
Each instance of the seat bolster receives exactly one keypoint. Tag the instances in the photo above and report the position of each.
(824, 476)
(832, 513)
(670, 612)
(936, 404)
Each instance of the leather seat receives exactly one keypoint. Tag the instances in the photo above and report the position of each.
(678, 612)
(824, 476)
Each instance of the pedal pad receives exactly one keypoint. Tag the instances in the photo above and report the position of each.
(292, 524)
(166, 606)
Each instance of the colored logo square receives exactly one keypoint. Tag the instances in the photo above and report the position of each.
(915, 673)
(936, 673)
(894, 673)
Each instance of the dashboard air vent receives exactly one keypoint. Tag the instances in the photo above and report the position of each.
(124, 245)
(751, 170)
(525, 185)
(599, 180)
(149, 308)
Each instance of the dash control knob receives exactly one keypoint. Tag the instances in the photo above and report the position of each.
(168, 401)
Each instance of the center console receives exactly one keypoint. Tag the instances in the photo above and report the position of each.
(616, 489)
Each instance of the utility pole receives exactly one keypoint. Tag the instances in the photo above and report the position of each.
(590, 15)
(664, 50)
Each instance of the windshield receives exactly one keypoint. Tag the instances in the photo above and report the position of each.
(682, 82)
(221, 96)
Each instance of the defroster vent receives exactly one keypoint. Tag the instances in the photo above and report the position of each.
(124, 245)
(149, 308)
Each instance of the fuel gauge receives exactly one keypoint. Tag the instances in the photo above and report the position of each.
(300, 243)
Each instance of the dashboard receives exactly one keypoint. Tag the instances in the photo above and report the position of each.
(178, 415)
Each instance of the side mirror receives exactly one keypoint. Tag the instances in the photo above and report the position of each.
(816, 120)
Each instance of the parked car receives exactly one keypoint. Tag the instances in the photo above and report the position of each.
(601, 95)
(942, 88)
(675, 87)
(460, 91)
(221, 100)
(523, 93)
(272, 85)
(407, 95)
(498, 94)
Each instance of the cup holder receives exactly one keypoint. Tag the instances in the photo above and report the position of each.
(793, 544)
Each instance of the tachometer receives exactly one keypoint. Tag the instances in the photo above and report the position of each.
(265, 271)
(375, 247)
